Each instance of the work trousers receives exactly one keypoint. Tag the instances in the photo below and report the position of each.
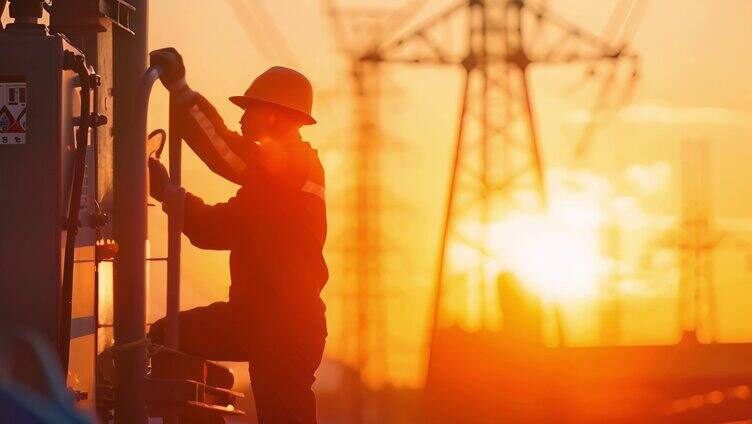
(281, 366)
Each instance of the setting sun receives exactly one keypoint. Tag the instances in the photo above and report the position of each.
(551, 257)
(557, 254)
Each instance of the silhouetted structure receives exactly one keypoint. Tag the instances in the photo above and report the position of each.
(695, 242)
(363, 244)
(497, 155)
(364, 309)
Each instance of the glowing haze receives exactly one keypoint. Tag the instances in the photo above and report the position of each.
(694, 84)
(560, 254)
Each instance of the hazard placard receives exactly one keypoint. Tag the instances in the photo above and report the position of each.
(13, 95)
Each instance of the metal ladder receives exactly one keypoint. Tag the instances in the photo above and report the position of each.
(178, 384)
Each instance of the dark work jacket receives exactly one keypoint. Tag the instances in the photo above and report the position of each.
(274, 227)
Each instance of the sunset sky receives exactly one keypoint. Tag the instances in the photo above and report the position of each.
(694, 85)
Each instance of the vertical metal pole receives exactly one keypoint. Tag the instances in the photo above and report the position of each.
(439, 289)
(522, 66)
(129, 289)
(175, 228)
(485, 195)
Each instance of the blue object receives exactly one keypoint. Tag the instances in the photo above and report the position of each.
(19, 404)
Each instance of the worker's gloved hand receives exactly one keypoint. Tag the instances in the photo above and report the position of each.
(158, 179)
(173, 69)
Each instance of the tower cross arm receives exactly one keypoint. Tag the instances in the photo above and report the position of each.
(422, 44)
(564, 42)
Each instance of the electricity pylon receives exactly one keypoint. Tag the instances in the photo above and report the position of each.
(363, 312)
(697, 240)
(497, 158)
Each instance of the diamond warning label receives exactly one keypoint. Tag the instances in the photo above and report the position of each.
(12, 111)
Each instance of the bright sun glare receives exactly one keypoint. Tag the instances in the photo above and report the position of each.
(551, 258)
(555, 254)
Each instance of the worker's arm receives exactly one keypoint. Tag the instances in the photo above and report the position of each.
(224, 151)
(212, 227)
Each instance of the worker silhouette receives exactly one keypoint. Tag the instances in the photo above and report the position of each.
(274, 228)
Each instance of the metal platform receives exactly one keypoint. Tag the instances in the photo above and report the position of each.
(181, 384)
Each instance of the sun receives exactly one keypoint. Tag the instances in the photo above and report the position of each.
(553, 259)
(556, 255)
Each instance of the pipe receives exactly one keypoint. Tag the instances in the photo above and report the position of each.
(131, 362)
(77, 63)
(131, 89)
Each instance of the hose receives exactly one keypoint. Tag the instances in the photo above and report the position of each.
(76, 63)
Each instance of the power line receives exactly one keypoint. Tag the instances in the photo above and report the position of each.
(263, 33)
(272, 32)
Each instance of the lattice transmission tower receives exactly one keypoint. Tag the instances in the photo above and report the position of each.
(696, 242)
(363, 315)
(357, 31)
(497, 163)
(696, 239)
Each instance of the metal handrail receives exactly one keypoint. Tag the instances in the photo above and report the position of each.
(175, 220)
(174, 231)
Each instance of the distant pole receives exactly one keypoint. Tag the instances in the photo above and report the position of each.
(696, 244)
(130, 224)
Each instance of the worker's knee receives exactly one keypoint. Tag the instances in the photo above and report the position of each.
(157, 331)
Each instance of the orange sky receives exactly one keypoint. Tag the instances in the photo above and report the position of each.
(694, 85)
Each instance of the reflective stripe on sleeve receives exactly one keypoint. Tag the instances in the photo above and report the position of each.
(313, 188)
(230, 158)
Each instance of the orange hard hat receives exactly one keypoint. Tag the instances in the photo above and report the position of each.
(282, 87)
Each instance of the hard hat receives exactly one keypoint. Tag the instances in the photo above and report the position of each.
(283, 87)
